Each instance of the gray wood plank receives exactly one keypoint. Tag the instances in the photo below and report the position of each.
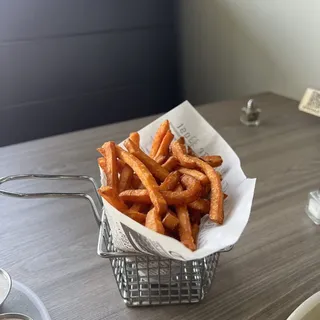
(60, 68)
(50, 245)
(33, 19)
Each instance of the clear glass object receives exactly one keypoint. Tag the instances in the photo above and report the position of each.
(313, 206)
(250, 114)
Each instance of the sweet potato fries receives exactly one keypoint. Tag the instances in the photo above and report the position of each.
(167, 190)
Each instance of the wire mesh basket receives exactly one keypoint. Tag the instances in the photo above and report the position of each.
(150, 280)
(142, 279)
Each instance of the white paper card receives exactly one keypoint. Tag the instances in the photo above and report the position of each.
(129, 235)
(310, 102)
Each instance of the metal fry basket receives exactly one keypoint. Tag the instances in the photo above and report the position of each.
(142, 279)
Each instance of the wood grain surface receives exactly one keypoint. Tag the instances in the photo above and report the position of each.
(50, 245)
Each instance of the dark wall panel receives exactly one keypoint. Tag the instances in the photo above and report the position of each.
(93, 109)
(29, 19)
(67, 65)
(32, 71)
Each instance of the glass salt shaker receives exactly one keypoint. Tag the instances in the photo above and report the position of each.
(313, 206)
(250, 115)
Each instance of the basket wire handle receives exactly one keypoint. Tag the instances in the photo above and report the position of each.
(101, 252)
(54, 194)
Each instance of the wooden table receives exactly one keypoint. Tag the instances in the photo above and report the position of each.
(50, 245)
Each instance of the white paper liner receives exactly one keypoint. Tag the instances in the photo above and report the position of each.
(129, 235)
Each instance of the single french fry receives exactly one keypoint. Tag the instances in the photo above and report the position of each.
(171, 197)
(120, 165)
(135, 215)
(185, 231)
(216, 201)
(170, 181)
(164, 146)
(140, 207)
(153, 221)
(170, 221)
(179, 151)
(214, 161)
(110, 196)
(136, 196)
(195, 231)
(146, 178)
(164, 127)
(111, 165)
(171, 163)
(155, 168)
(206, 189)
(160, 159)
(196, 174)
(190, 182)
(201, 205)
(101, 151)
(125, 178)
(102, 163)
(135, 137)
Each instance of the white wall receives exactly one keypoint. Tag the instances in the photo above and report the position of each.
(232, 48)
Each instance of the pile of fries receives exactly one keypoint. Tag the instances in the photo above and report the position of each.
(167, 191)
